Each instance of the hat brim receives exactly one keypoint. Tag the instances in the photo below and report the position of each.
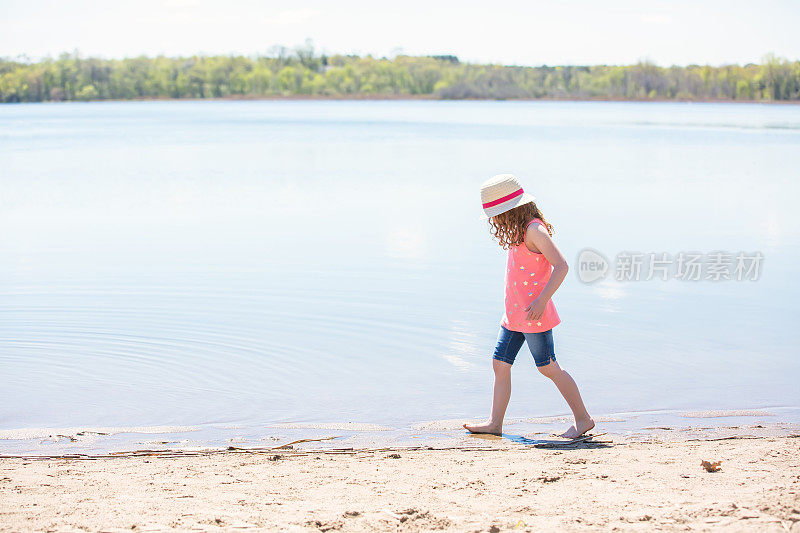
(495, 210)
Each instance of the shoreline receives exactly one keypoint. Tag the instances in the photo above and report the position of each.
(498, 485)
(409, 97)
(103, 441)
(175, 441)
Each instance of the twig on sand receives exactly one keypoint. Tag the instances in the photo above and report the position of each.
(570, 442)
(734, 437)
(288, 452)
(584, 438)
(303, 440)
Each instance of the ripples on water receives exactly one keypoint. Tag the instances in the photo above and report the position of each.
(257, 263)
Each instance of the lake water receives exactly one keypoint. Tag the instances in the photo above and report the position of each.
(260, 270)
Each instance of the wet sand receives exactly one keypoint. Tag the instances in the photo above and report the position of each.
(496, 485)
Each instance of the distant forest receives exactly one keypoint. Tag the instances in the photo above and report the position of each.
(302, 73)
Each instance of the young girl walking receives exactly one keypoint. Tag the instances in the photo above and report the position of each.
(534, 271)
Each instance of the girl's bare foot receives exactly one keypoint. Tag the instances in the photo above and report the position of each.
(580, 427)
(492, 429)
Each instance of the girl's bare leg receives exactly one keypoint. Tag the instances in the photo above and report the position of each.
(501, 395)
(569, 390)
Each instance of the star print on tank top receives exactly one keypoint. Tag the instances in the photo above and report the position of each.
(527, 273)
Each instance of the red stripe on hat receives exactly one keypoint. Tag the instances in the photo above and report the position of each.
(503, 199)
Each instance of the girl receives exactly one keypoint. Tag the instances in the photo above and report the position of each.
(534, 271)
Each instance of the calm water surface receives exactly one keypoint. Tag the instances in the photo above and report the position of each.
(252, 264)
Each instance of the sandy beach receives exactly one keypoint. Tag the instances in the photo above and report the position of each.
(496, 485)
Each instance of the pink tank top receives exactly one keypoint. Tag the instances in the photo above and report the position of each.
(526, 275)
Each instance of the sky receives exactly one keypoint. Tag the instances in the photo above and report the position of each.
(532, 32)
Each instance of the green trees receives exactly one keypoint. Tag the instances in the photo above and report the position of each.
(303, 73)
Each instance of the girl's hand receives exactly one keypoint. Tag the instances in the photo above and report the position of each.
(536, 309)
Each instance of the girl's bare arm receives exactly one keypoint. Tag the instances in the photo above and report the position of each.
(538, 240)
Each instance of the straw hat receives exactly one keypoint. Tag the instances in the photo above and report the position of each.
(502, 193)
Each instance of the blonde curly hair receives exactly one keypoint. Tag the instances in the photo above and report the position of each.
(509, 227)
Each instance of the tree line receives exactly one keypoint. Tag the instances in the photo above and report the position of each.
(302, 73)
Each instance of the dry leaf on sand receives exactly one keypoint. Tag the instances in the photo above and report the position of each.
(711, 467)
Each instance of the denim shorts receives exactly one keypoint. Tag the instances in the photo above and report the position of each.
(540, 344)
